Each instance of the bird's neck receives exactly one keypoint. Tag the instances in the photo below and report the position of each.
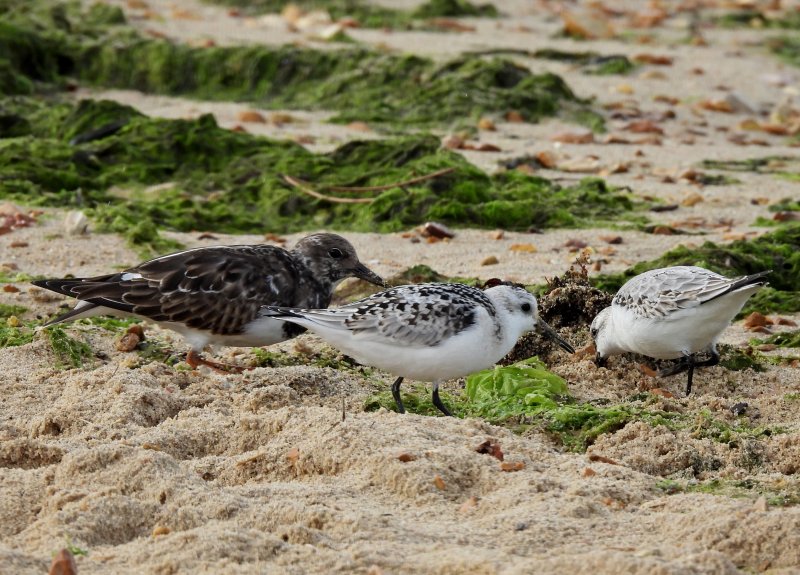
(507, 330)
(314, 291)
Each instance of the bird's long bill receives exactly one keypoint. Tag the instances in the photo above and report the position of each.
(544, 328)
(363, 272)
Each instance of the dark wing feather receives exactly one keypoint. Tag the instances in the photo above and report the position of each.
(660, 292)
(219, 289)
(412, 315)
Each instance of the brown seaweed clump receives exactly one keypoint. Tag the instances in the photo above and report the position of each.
(569, 304)
(571, 300)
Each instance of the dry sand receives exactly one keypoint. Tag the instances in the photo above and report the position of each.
(157, 470)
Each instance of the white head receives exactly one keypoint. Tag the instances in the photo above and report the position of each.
(521, 311)
(517, 305)
(603, 336)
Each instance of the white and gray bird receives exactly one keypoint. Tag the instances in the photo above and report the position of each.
(213, 295)
(427, 332)
(672, 313)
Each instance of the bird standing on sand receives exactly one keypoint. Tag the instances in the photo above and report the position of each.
(671, 313)
(212, 295)
(428, 332)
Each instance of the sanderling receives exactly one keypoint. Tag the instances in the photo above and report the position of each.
(672, 313)
(428, 332)
(212, 295)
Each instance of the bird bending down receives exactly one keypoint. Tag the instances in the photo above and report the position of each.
(671, 313)
(212, 295)
(428, 332)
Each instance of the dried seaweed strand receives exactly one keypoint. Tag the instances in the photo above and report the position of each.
(417, 180)
(303, 187)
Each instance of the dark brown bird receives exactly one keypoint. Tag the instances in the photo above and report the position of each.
(212, 295)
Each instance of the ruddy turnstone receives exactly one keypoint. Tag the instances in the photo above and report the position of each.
(671, 313)
(428, 332)
(212, 295)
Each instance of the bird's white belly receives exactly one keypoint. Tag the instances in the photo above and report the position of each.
(685, 331)
(263, 331)
(460, 355)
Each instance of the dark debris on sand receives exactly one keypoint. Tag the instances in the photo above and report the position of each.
(569, 304)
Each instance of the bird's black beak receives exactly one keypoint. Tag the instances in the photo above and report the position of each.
(363, 272)
(545, 329)
(600, 361)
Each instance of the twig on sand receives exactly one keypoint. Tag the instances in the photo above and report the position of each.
(304, 187)
(417, 180)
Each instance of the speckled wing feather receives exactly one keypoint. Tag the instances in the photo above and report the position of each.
(219, 289)
(660, 292)
(412, 315)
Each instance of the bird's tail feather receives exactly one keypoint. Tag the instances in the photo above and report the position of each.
(742, 282)
(305, 317)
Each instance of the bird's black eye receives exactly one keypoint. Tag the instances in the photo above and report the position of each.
(526, 307)
(594, 332)
(335, 253)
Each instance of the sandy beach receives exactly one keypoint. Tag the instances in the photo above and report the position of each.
(155, 468)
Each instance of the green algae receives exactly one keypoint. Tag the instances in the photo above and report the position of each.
(417, 400)
(11, 336)
(590, 62)
(326, 357)
(737, 359)
(418, 274)
(358, 83)
(7, 310)
(738, 489)
(368, 15)
(141, 234)
(779, 165)
(14, 333)
(21, 50)
(782, 210)
(763, 165)
(10, 278)
(69, 351)
(734, 434)
(778, 251)
(786, 205)
(757, 19)
(39, 41)
(453, 9)
(110, 323)
(151, 350)
(233, 182)
(525, 396)
(26, 116)
(715, 180)
(784, 339)
(74, 549)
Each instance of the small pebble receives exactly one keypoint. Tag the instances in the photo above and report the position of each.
(437, 230)
(76, 223)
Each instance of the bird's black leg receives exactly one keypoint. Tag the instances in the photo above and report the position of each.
(713, 360)
(396, 394)
(688, 363)
(691, 364)
(676, 368)
(438, 402)
(600, 361)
